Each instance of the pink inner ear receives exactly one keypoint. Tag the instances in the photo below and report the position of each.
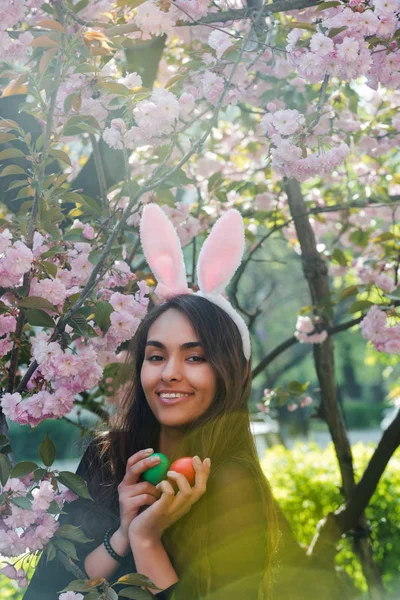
(163, 263)
(221, 253)
(162, 247)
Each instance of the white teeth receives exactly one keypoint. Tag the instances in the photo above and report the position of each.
(172, 396)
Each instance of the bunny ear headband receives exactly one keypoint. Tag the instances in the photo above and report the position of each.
(219, 258)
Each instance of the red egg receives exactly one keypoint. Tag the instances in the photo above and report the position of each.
(184, 465)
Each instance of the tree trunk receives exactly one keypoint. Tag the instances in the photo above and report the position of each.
(316, 274)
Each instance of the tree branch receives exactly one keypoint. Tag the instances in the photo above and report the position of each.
(264, 362)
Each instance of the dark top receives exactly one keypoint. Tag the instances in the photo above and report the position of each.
(236, 539)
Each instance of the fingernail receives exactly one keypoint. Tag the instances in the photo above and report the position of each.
(149, 450)
(171, 473)
(154, 458)
(207, 462)
(197, 460)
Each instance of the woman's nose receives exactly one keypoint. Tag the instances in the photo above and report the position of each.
(171, 371)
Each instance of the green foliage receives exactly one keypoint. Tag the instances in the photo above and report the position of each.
(306, 481)
(360, 415)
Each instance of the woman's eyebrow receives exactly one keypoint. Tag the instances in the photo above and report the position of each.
(185, 346)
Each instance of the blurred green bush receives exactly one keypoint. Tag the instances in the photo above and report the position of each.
(306, 481)
(361, 415)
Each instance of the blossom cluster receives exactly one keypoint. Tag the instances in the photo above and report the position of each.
(340, 45)
(376, 328)
(63, 372)
(286, 131)
(306, 331)
(36, 525)
(155, 118)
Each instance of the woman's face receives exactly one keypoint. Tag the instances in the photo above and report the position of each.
(177, 380)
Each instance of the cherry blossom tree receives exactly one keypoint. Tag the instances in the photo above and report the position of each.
(288, 111)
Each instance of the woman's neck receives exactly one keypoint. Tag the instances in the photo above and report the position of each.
(169, 439)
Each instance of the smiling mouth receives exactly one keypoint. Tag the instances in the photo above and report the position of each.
(171, 398)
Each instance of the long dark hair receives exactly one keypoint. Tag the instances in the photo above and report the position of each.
(221, 433)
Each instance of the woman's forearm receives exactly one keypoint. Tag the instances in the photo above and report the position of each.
(152, 560)
(100, 564)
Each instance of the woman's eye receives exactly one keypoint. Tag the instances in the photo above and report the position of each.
(196, 358)
(154, 358)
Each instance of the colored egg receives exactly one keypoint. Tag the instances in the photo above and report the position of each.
(159, 472)
(185, 466)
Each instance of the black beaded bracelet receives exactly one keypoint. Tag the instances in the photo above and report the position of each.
(109, 548)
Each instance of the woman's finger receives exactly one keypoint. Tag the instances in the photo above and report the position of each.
(135, 471)
(184, 487)
(143, 487)
(167, 491)
(202, 470)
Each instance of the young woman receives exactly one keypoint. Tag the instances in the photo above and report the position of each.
(190, 385)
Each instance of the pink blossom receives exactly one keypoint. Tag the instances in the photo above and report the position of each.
(212, 86)
(292, 407)
(7, 324)
(5, 240)
(186, 105)
(114, 135)
(88, 232)
(321, 44)
(71, 596)
(219, 41)
(51, 289)
(153, 21)
(19, 258)
(43, 496)
(131, 80)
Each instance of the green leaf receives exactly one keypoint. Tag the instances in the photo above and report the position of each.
(136, 579)
(339, 257)
(11, 153)
(102, 315)
(50, 268)
(351, 290)
(177, 179)
(336, 31)
(328, 4)
(75, 483)
(70, 532)
(384, 237)
(91, 205)
(78, 124)
(136, 593)
(112, 87)
(36, 302)
(82, 585)
(39, 473)
(60, 155)
(12, 170)
(5, 468)
(111, 594)
(51, 552)
(39, 318)
(4, 441)
(21, 502)
(23, 469)
(66, 546)
(79, 324)
(296, 388)
(17, 184)
(360, 305)
(47, 451)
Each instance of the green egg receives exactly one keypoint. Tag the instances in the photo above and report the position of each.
(159, 472)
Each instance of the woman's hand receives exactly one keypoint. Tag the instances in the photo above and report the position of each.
(150, 525)
(134, 495)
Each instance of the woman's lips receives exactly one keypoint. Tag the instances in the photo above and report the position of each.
(173, 398)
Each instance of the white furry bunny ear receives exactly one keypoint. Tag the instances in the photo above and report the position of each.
(163, 252)
(221, 253)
